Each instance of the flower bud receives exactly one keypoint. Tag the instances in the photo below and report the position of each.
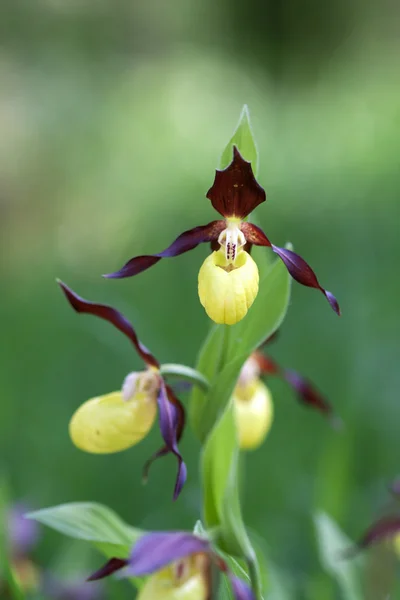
(185, 580)
(253, 413)
(228, 289)
(110, 423)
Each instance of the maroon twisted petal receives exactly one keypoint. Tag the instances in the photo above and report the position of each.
(113, 316)
(185, 242)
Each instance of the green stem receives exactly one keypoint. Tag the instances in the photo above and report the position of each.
(224, 348)
(13, 586)
(254, 575)
(186, 373)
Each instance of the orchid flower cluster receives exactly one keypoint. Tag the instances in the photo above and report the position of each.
(230, 408)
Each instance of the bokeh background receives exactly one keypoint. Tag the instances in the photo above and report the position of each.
(113, 116)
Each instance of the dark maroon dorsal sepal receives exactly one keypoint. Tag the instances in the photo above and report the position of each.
(235, 191)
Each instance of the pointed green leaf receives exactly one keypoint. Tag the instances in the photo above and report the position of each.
(88, 521)
(266, 314)
(244, 140)
(332, 542)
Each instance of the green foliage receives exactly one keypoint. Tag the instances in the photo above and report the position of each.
(91, 522)
(332, 544)
(244, 140)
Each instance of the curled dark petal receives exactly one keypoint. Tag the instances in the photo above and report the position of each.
(303, 273)
(307, 393)
(254, 235)
(113, 565)
(111, 315)
(235, 191)
(172, 422)
(185, 242)
(265, 363)
(241, 590)
(385, 528)
(156, 550)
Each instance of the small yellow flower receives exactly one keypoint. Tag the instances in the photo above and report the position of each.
(112, 423)
(184, 580)
(253, 413)
(227, 295)
(227, 288)
(117, 421)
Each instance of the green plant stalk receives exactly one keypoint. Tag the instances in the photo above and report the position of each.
(185, 373)
(15, 591)
(254, 574)
(224, 349)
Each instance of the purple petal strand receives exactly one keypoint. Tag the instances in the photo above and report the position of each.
(385, 528)
(303, 273)
(157, 550)
(254, 235)
(241, 590)
(185, 242)
(172, 421)
(114, 317)
(265, 363)
(235, 191)
(112, 566)
(308, 394)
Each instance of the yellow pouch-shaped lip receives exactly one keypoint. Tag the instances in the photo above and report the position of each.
(253, 414)
(227, 291)
(109, 424)
(165, 585)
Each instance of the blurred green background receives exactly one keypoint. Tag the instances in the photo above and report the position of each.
(113, 116)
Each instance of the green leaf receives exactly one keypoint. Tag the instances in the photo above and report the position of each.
(244, 140)
(89, 521)
(332, 542)
(266, 314)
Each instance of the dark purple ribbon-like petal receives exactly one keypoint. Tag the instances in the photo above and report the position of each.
(185, 242)
(114, 317)
(303, 273)
(157, 550)
(171, 414)
(305, 390)
(265, 363)
(309, 395)
(254, 235)
(112, 566)
(297, 266)
(241, 590)
(235, 191)
(385, 528)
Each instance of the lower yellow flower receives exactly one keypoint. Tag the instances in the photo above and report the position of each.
(227, 289)
(253, 413)
(116, 421)
(184, 580)
(109, 424)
